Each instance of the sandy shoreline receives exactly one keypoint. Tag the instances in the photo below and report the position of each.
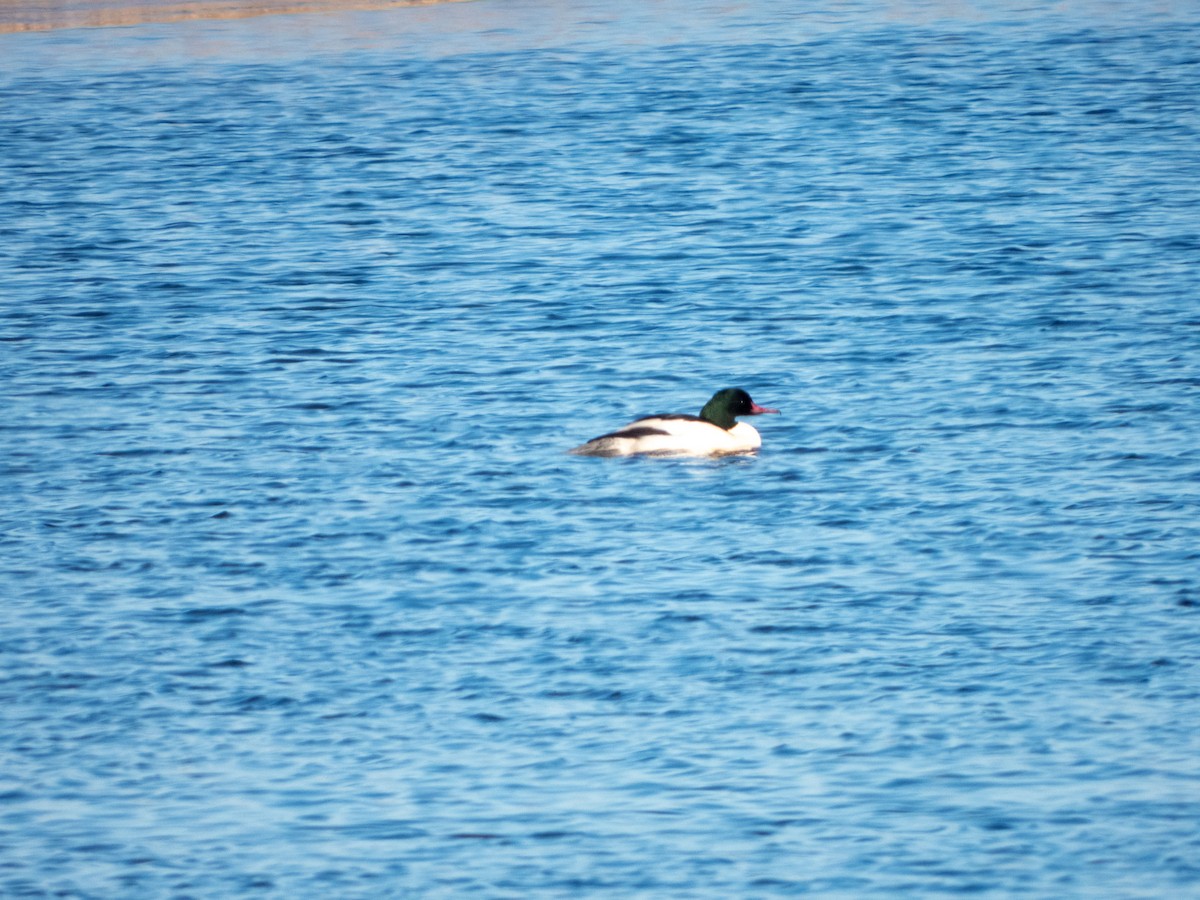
(47, 16)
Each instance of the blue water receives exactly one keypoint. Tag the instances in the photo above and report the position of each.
(303, 597)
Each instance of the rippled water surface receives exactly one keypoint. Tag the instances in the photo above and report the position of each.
(302, 596)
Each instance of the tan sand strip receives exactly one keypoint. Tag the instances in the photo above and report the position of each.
(47, 16)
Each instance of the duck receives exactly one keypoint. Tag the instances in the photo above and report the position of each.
(715, 432)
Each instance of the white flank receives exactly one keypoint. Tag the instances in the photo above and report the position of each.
(683, 437)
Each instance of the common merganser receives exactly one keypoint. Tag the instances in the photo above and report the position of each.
(715, 432)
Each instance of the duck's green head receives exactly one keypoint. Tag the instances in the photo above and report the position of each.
(726, 405)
